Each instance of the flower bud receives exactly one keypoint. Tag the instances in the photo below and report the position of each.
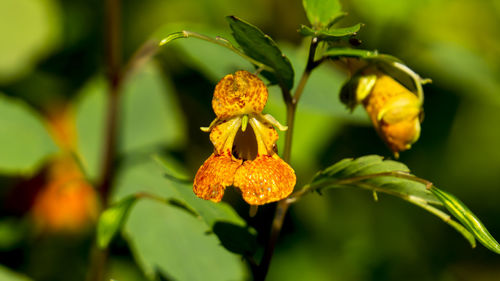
(394, 110)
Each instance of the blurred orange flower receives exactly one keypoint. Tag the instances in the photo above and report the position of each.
(66, 202)
(245, 145)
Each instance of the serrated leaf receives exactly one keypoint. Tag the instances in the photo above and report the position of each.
(112, 220)
(24, 140)
(322, 12)
(332, 34)
(387, 175)
(163, 236)
(262, 48)
(170, 241)
(467, 218)
(374, 173)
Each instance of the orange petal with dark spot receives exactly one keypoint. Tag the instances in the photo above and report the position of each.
(214, 176)
(265, 179)
(238, 94)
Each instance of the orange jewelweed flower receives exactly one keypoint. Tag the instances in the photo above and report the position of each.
(244, 145)
(67, 202)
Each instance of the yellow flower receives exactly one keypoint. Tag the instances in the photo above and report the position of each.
(244, 145)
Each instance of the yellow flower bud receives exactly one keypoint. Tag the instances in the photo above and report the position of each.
(395, 113)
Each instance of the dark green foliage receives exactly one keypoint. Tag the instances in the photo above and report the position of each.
(262, 48)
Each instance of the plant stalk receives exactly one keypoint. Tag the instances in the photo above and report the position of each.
(282, 206)
(99, 257)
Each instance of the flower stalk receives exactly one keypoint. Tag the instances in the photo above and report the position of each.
(291, 102)
(98, 257)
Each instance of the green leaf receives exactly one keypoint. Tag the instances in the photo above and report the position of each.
(30, 30)
(236, 238)
(91, 124)
(8, 275)
(150, 117)
(322, 13)
(467, 218)
(333, 34)
(150, 114)
(112, 220)
(262, 48)
(149, 178)
(24, 141)
(373, 173)
(162, 236)
(170, 241)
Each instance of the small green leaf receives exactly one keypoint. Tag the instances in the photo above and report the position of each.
(112, 220)
(262, 48)
(467, 218)
(333, 34)
(322, 12)
(24, 141)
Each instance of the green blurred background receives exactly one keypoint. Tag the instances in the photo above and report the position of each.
(53, 51)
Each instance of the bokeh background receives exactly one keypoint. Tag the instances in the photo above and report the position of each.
(52, 55)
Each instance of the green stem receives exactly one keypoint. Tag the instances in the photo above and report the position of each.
(282, 206)
(99, 258)
(292, 101)
(218, 41)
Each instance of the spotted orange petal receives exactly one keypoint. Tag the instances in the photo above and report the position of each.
(214, 176)
(239, 93)
(265, 179)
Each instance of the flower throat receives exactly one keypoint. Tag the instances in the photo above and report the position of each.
(245, 144)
